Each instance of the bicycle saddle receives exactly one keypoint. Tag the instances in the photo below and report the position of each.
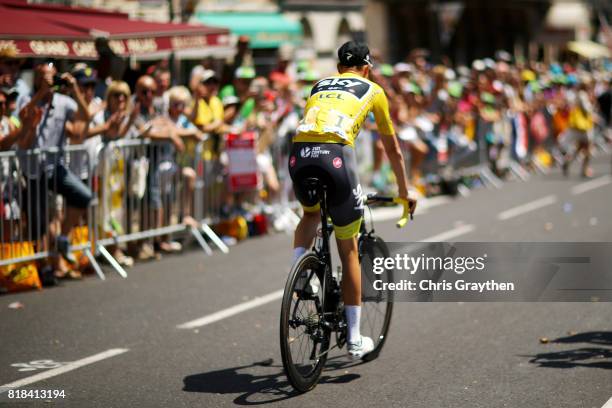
(314, 183)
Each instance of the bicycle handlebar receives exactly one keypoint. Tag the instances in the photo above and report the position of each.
(397, 200)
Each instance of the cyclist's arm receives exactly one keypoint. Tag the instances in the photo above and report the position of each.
(390, 143)
(396, 158)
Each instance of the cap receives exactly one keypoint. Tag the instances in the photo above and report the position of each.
(84, 75)
(245, 73)
(280, 78)
(354, 54)
(244, 39)
(402, 67)
(208, 75)
(230, 100)
(455, 89)
(487, 98)
(309, 76)
(528, 75)
(386, 70)
(411, 87)
(489, 63)
(478, 65)
(502, 55)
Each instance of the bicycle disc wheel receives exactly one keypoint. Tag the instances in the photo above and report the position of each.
(376, 308)
(304, 342)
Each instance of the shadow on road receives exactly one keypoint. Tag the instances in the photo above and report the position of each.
(604, 338)
(257, 387)
(593, 357)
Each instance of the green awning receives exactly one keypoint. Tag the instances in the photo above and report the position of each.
(266, 30)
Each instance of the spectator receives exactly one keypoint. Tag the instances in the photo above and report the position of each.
(179, 99)
(64, 117)
(580, 134)
(147, 123)
(9, 72)
(163, 81)
(241, 88)
(81, 163)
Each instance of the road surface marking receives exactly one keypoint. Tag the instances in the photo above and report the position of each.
(591, 185)
(64, 369)
(394, 213)
(608, 404)
(231, 311)
(450, 234)
(527, 207)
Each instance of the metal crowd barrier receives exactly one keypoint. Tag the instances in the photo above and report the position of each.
(212, 187)
(463, 157)
(31, 210)
(141, 196)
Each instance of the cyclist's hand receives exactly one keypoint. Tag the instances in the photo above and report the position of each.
(409, 204)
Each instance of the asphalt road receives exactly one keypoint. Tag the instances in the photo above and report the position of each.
(116, 343)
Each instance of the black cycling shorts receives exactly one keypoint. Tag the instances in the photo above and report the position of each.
(335, 165)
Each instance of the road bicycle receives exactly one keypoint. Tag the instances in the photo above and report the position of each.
(312, 308)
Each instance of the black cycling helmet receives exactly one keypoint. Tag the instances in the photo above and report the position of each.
(354, 54)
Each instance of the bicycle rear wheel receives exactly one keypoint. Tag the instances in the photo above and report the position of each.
(376, 308)
(304, 341)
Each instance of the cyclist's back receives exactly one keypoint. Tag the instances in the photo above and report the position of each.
(339, 105)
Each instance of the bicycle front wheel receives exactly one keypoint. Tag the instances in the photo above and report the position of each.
(376, 308)
(304, 341)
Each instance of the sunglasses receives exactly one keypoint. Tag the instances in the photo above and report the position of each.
(177, 104)
(146, 91)
(118, 95)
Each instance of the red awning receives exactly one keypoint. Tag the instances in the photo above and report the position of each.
(69, 32)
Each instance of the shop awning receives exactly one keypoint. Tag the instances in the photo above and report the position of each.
(70, 32)
(265, 30)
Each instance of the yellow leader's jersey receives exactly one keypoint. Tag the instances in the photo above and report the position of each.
(338, 106)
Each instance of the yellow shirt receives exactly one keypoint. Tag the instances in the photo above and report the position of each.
(581, 120)
(208, 112)
(337, 108)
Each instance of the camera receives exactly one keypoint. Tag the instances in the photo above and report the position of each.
(59, 82)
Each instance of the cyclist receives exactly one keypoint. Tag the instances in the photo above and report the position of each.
(323, 147)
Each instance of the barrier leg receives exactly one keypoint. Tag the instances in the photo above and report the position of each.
(198, 237)
(539, 167)
(94, 263)
(519, 171)
(214, 238)
(112, 261)
(489, 178)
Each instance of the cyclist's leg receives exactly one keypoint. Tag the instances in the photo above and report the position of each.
(346, 210)
(305, 232)
(299, 169)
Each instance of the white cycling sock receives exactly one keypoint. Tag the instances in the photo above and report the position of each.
(353, 317)
(297, 252)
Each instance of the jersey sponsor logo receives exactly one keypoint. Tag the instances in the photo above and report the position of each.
(337, 162)
(359, 197)
(331, 95)
(292, 161)
(314, 152)
(354, 86)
